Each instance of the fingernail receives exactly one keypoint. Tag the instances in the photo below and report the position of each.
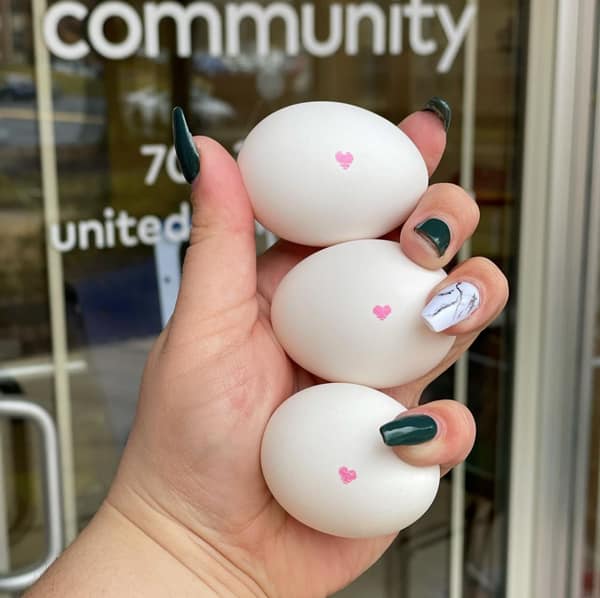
(436, 232)
(441, 109)
(185, 147)
(408, 430)
(451, 305)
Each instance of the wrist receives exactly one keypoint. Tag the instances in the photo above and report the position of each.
(147, 556)
(210, 570)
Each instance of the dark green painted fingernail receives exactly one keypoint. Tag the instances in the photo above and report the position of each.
(185, 147)
(436, 232)
(441, 109)
(408, 430)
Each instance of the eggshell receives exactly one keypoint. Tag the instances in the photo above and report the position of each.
(351, 313)
(326, 464)
(319, 173)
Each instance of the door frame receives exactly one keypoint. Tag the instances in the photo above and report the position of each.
(549, 442)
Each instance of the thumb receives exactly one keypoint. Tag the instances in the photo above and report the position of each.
(219, 270)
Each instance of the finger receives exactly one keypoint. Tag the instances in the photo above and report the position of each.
(462, 305)
(452, 308)
(276, 262)
(427, 129)
(438, 433)
(443, 220)
(467, 300)
(219, 271)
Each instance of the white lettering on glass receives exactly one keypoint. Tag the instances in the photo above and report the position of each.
(183, 17)
(161, 155)
(336, 33)
(176, 229)
(395, 42)
(148, 230)
(355, 13)
(262, 17)
(416, 11)
(124, 230)
(90, 226)
(142, 30)
(56, 13)
(455, 33)
(109, 226)
(133, 38)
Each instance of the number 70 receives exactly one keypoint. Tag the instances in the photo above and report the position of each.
(161, 154)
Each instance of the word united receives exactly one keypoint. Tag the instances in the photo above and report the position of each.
(122, 229)
(388, 26)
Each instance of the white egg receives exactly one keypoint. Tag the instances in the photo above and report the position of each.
(326, 464)
(352, 313)
(320, 173)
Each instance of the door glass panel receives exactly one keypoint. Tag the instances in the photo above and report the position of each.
(117, 175)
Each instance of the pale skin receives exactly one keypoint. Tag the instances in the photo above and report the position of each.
(189, 513)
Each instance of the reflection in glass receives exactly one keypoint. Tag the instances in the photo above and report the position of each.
(113, 141)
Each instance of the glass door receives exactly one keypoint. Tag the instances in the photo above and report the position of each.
(95, 216)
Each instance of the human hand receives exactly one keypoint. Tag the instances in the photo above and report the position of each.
(190, 478)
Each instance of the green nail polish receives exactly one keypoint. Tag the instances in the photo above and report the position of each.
(436, 232)
(441, 109)
(185, 147)
(409, 430)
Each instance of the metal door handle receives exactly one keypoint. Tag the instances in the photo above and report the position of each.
(21, 579)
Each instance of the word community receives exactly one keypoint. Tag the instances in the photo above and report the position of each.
(388, 25)
(122, 229)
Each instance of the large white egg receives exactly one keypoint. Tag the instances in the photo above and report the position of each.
(320, 173)
(326, 464)
(352, 313)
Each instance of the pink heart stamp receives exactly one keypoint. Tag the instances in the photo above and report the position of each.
(382, 311)
(344, 159)
(347, 475)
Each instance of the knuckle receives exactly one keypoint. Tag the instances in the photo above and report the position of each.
(454, 200)
(492, 277)
(474, 213)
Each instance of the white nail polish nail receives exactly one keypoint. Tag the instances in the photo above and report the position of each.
(451, 305)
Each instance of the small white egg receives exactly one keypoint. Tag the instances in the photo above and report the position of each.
(352, 313)
(326, 464)
(319, 173)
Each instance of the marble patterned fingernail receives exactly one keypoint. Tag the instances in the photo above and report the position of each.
(451, 305)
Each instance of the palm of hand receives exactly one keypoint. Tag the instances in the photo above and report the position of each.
(216, 404)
